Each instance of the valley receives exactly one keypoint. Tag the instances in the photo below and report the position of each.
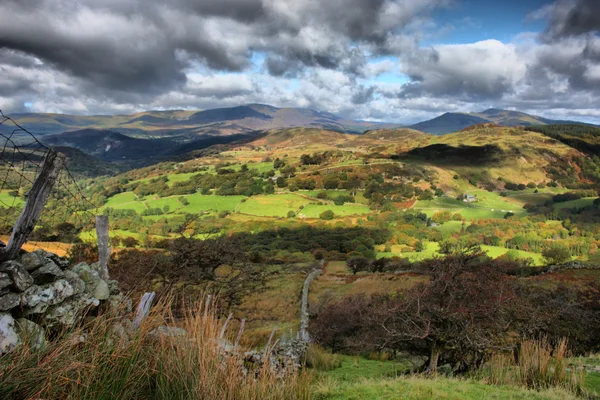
(381, 208)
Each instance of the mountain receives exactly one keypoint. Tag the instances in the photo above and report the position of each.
(447, 123)
(454, 122)
(187, 125)
(125, 152)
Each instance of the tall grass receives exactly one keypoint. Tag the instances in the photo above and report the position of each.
(321, 360)
(95, 362)
(537, 365)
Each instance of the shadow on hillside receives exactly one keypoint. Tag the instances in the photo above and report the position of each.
(443, 154)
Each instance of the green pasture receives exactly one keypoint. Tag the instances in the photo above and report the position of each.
(7, 200)
(277, 205)
(315, 210)
(585, 202)
(197, 203)
(431, 250)
(451, 227)
(126, 201)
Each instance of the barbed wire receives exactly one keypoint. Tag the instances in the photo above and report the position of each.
(22, 155)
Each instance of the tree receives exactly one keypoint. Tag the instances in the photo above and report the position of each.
(357, 264)
(556, 253)
(196, 261)
(327, 215)
(291, 214)
(459, 317)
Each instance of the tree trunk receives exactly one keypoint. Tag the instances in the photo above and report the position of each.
(433, 360)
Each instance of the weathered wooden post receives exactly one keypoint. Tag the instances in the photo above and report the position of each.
(103, 244)
(36, 200)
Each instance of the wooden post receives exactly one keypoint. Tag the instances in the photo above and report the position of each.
(36, 200)
(103, 245)
(143, 309)
(239, 336)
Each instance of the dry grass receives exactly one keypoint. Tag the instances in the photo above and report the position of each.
(58, 248)
(537, 365)
(141, 366)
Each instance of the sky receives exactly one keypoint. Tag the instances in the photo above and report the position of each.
(398, 61)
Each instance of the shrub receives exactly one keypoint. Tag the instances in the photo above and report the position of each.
(327, 215)
(556, 253)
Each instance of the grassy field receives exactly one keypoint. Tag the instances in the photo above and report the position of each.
(197, 203)
(273, 205)
(450, 227)
(489, 205)
(431, 250)
(420, 388)
(585, 202)
(9, 201)
(314, 210)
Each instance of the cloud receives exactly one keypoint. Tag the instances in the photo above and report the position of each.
(106, 56)
(486, 69)
(567, 18)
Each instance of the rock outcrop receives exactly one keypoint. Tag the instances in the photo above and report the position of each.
(40, 292)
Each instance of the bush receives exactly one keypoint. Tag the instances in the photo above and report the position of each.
(291, 214)
(556, 253)
(327, 215)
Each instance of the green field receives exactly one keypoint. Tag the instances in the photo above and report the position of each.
(197, 203)
(421, 388)
(489, 205)
(9, 201)
(314, 210)
(126, 201)
(450, 227)
(431, 250)
(585, 202)
(273, 205)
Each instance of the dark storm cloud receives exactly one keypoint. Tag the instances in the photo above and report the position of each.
(146, 45)
(572, 18)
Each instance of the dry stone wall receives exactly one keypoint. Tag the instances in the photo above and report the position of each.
(41, 292)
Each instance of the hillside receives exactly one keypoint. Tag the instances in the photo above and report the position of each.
(453, 122)
(188, 124)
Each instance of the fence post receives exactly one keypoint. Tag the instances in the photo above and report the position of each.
(103, 244)
(36, 200)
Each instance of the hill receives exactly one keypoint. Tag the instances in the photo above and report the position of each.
(453, 122)
(188, 124)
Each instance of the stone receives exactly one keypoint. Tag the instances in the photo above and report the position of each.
(9, 338)
(8, 301)
(119, 304)
(75, 281)
(60, 261)
(34, 260)
(49, 272)
(88, 275)
(38, 298)
(70, 311)
(5, 283)
(101, 291)
(31, 333)
(168, 331)
(114, 287)
(21, 279)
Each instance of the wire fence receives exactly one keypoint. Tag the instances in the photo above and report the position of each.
(68, 214)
